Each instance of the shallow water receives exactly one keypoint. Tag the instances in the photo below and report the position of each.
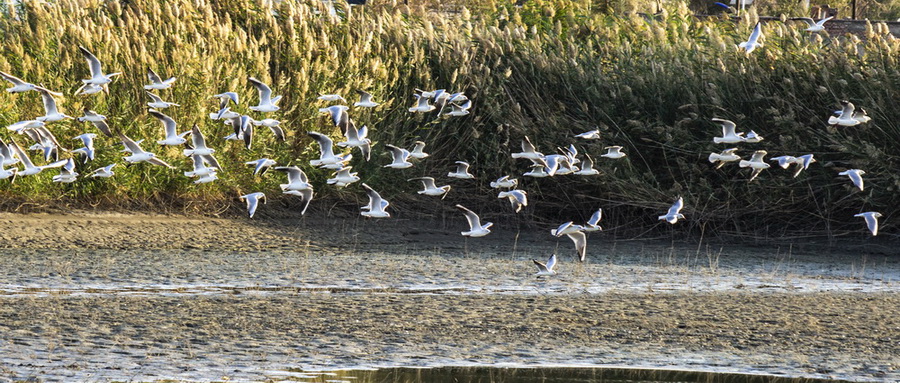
(408, 270)
(461, 374)
(435, 271)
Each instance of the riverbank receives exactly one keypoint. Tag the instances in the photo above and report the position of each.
(147, 297)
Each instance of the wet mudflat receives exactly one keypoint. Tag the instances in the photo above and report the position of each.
(159, 297)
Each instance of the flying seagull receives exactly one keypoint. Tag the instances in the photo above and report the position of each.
(545, 269)
(476, 229)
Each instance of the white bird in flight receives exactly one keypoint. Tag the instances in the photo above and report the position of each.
(358, 138)
(461, 172)
(157, 82)
(377, 205)
(517, 198)
(67, 173)
(545, 268)
(98, 77)
(261, 165)
(18, 84)
(51, 113)
(846, 116)
(576, 234)
(326, 152)
(365, 100)
(418, 151)
(814, 26)
(724, 157)
(331, 97)
(158, 103)
(429, 187)
(138, 154)
(528, 151)
(252, 200)
(173, 138)
(613, 152)
(421, 105)
(505, 183)
(400, 158)
(855, 177)
(476, 228)
(587, 167)
(593, 224)
(343, 177)
(266, 101)
(871, 220)
(104, 172)
(30, 168)
(757, 163)
(729, 135)
(674, 213)
(753, 42)
(589, 135)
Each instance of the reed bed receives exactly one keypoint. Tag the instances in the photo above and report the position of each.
(548, 70)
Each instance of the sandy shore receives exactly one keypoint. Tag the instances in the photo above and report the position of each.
(174, 297)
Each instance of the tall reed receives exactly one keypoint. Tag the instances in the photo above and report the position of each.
(547, 70)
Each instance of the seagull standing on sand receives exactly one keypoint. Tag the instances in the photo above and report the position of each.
(545, 269)
(517, 198)
(476, 229)
(674, 213)
(157, 82)
(266, 101)
(576, 234)
(757, 163)
(18, 84)
(97, 75)
(855, 177)
(462, 171)
(871, 220)
(252, 200)
(376, 206)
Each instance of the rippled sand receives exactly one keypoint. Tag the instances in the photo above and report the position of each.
(111, 296)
